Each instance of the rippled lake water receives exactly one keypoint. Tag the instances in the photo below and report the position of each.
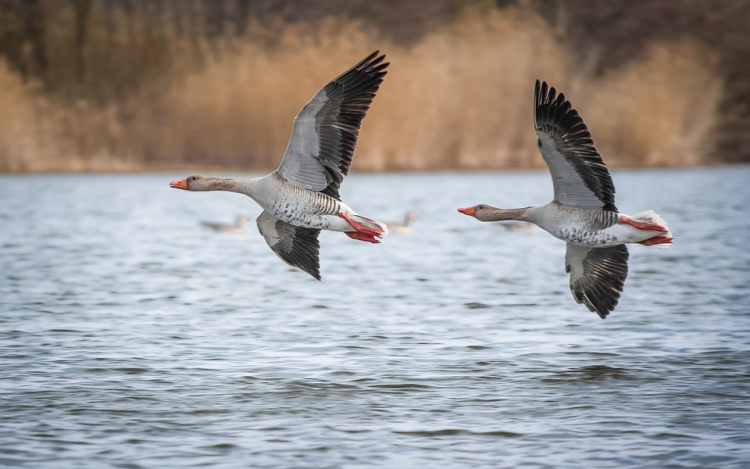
(132, 337)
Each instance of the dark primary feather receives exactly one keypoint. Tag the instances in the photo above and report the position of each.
(604, 274)
(555, 116)
(297, 246)
(339, 120)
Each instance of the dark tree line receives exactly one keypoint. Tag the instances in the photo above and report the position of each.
(615, 31)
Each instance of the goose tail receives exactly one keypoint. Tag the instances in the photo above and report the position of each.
(649, 217)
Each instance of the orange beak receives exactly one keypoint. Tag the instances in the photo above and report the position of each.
(467, 211)
(179, 184)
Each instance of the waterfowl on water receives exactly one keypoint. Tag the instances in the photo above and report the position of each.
(403, 227)
(583, 211)
(236, 227)
(518, 226)
(301, 197)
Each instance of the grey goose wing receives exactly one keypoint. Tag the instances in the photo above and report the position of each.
(579, 176)
(295, 245)
(597, 275)
(325, 131)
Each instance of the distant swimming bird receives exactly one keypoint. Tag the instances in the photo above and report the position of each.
(519, 226)
(583, 211)
(301, 197)
(403, 227)
(236, 227)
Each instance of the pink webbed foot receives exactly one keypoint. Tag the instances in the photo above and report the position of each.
(362, 237)
(360, 227)
(643, 226)
(656, 240)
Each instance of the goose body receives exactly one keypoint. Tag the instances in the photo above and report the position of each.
(582, 212)
(591, 228)
(297, 206)
(301, 197)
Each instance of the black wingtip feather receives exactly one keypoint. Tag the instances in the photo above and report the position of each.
(351, 95)
(298, 247)
(606, 271)
(555, 115)
(368, 65)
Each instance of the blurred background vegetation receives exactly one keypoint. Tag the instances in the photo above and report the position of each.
(119, 85)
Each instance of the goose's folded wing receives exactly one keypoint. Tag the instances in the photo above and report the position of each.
(597, 275)
(297, 246)
(325, 131)
(579, 176)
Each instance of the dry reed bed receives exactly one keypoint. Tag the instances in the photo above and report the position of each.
(458, 99)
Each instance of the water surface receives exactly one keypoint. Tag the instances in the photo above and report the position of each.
(132, 337)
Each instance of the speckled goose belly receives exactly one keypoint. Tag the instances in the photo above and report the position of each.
(591, 228)
(302, 207)
(584, 237)
(305, 208)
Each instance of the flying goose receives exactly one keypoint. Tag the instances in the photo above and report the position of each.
(235, 227)
(583, 211)
(301, 197)
(405, 226)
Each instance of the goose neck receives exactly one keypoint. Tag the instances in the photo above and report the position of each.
(504, 214)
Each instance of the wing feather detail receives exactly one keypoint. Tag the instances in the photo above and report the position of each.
(597, 275)
(325, 131)
(579, 175)
(295, 245)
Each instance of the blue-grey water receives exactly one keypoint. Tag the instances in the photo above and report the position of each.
(132, 337)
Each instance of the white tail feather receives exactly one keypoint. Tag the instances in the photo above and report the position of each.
(649, 216)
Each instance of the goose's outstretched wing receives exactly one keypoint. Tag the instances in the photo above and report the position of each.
(325, 131)
(597, 275)
(579, 176)
(297, 246)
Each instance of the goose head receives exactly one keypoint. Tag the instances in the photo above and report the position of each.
(194, 183)
(479, 212)
(411, 217)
